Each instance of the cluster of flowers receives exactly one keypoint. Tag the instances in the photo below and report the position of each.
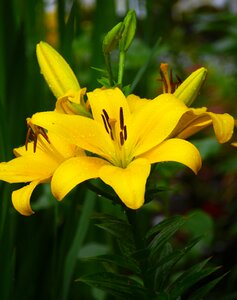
(105, 134)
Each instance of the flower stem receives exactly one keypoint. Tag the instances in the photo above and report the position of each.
(140, 245)
(132, 219)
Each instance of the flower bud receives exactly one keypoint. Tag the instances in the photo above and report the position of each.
(190, 87)
(112, 38)
(128, 32)
(56, 71)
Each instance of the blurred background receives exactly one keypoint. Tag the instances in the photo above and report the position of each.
(37, 260)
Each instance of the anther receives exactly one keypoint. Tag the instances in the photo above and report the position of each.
(121, 117)
(169, 86)
(125, 133)
(105, 114)
(105, 123)
(32, 135)
(121, 138)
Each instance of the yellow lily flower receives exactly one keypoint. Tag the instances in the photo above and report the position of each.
(122, 144)
(195, 119)
(35, 165)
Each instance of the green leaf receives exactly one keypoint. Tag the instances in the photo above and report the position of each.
(166, 264)
(200, 223)
(104, 82)
(200, 293)
(121, 230)
(99, 70)
(82, 227)
(120, 286)
(142, 70)
(189, 278)
(164, 231)
(117, 260)
(173, 222)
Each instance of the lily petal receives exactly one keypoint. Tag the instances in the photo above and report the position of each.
(128, 183)
(223, 125)
(27, 168)
(176, 150)
(155, 122)
(135, 102)
(81, 131)
(74, 171)
(109, 100)
(195, 120)
(55, 148)
(21, 198)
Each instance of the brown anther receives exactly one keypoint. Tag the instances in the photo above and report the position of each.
(125, 132)
(121, 118)
(105, 123)
(110, 126)
(169, 86)
(105, 114)
(121, 138)
(32, 135)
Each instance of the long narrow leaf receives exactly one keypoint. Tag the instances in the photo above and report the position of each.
(141, 72)
(120, 286)
(80, 234)
(166, 264)
(116, 260)
(204, 290)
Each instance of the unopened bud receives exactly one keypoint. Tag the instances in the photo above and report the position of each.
(56, 71)
(112, 38)
(128, 32)
(190, 87)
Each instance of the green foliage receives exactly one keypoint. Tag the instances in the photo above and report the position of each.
(123, 287)
(150, 271)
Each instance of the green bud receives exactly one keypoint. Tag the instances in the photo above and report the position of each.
(128, 32)
(190, 87)
(112, 38)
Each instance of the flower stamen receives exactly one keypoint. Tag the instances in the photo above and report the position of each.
(105, 123)
(109, 125)
(121, 117)
(169, 86)
(121, 138)
(32, 134)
